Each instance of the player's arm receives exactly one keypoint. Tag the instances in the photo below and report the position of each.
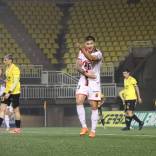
(134, 82)
(79, 67)
(89, 56)
(90, 75)
(121, 94)
(82, 71)
(138, 94)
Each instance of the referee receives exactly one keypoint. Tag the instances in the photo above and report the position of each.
(130, 95)
(12, 92)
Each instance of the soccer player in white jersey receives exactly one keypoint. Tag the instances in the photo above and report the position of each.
(88, 64)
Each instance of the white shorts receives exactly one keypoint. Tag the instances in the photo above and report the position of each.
(82, 89)
(94, 91)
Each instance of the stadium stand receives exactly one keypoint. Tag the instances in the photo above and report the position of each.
(9, 45)
(41, 19)
(115, 25)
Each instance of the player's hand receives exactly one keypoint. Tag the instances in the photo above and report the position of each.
(139, 100)
(83, 50)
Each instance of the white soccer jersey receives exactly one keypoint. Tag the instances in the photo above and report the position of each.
(96, 65)
(82, 87)
(94, 86)
(86, 65)
(88, 86)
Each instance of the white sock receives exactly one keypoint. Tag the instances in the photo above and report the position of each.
(81, 115)
(94, 119)
(7, 121)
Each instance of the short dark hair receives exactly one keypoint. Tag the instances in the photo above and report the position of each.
(126, 70)
(90, 38)
(9, 57)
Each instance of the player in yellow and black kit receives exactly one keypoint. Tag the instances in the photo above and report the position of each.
(12, 92)
(130, 95)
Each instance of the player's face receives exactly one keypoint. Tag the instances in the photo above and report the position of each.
(125, 75)
(89, 45)
(7, 61)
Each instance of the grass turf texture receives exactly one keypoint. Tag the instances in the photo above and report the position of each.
(67, 142)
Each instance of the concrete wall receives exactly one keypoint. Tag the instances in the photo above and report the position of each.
(57, 115)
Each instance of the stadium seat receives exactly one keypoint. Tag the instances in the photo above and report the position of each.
(115, 24)
(41, 19)
(9, 46)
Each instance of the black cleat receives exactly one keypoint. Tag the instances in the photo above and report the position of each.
(125, 129)
(141, 125)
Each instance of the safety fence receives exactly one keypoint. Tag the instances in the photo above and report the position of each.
(60, 91)
(57, 77)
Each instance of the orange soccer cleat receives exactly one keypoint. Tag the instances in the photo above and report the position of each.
(15, 131)
(83, 131)
(92, 134)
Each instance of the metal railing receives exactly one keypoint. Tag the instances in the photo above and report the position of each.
(109, 90)
(59, 91)
(107, 70)
(57, 77)
(31, 71)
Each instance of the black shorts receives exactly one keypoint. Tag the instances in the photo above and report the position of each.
(13, 99)
(130, 105)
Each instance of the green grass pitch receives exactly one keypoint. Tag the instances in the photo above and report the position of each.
(67, 142)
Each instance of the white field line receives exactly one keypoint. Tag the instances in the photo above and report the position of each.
(98, 134)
